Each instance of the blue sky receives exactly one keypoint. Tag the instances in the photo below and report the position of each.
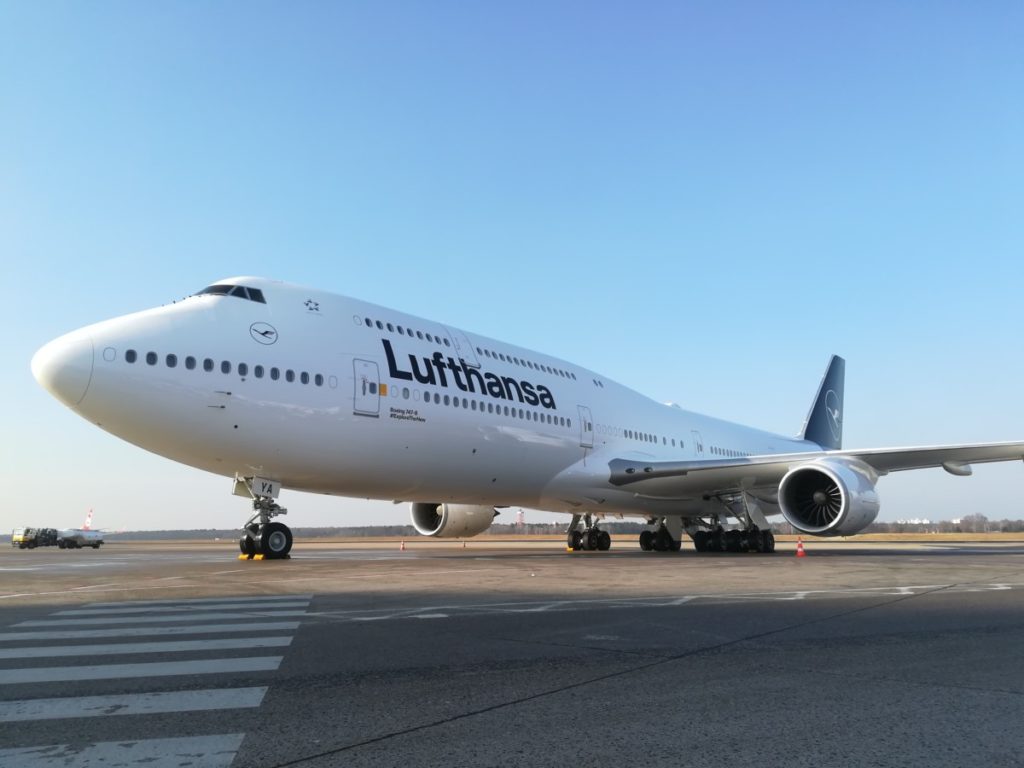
(700, 200)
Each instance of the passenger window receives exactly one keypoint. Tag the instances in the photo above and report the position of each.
(400, 331)
(207, 365)
(319, 381)
(289, 376)
(419, 335)
(243, 369)
(437, 399)
(225, 367)
(275, 374)
(369, 322)
(190, 362)
(151, 358)
(172, 361)
(130, 356)
(405, 392)
(258, 371)
(447, 343)
(391, 328)
(372, 384)
(380, 325)
(304, 377)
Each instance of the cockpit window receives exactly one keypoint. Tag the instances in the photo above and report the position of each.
(241, 291)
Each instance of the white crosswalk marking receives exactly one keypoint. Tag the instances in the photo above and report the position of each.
(177, 646)
(158, 619)
(131, 704)
(194, 751)
(198, 632)
(199, 629)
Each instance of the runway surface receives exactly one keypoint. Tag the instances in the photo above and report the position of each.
(507, 654)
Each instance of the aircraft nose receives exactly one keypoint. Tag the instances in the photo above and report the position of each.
(64, 367)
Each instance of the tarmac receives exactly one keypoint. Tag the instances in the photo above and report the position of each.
(510, 653)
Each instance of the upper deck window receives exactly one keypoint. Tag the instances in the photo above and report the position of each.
(241, 291)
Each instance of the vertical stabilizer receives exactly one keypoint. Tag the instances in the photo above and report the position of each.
(824, 424)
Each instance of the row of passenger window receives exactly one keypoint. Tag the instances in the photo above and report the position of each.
(633, 434)
(402, 331)
(525, 363)
(407, 393)
(443, 341)
(226, 367)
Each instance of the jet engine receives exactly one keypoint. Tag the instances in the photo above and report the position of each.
(829, 497)
(450, 521)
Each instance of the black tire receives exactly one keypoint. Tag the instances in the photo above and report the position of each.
(275, 541)
(755, 542)
(767, 542)
(592, 540)
(700, 541)
(604, 541)
(646, 540)
(733, 541)
(95, 546)
(247, 545)
(574, 540)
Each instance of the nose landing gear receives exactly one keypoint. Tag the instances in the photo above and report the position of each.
(260, 537)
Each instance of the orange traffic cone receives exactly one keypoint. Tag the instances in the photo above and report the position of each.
(800, 547)
(402, 548)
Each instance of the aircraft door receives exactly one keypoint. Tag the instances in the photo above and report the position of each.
(463, 348)
(586, 427)
(698, 444)
(367, 388)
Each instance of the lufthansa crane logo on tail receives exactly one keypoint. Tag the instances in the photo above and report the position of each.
(264, 333)
(833, 414)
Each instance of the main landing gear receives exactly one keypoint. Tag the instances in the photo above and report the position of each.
(719, 540)
(590, 538)
(260, 537)
(659, 540)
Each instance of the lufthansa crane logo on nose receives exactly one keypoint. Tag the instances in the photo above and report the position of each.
(835, 418)
(264, 333)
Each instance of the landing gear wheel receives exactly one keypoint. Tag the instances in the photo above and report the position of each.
(733, 541)
(663, 541)
(754, 540)
(767, 541)
(247, 545)
(591, 539)
(275, 541)
(604, 541)
(646, 540)
(700, 541)
(574, 540)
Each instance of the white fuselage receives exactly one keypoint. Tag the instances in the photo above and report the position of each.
(333, 395)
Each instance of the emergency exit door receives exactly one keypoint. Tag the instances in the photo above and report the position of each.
(367, 388)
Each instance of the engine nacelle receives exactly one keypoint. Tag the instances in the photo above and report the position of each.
(451, 521)
(829, 497)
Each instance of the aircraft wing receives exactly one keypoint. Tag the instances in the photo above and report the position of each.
(666, 479)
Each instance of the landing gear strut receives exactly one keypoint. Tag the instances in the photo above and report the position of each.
(589, 538)
(260, 536)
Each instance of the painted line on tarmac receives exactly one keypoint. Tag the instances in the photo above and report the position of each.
(153, 703)
(190, 616)
(171, 646)
(95, 634)
(205, 751)
(123, 671)
(562, 605)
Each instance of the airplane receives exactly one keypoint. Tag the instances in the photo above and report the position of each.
(76, 538)
(277, 386)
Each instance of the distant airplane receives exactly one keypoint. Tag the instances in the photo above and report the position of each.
(76, 538)
(276, 386)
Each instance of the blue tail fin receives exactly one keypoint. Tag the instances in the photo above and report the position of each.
(824, 424)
